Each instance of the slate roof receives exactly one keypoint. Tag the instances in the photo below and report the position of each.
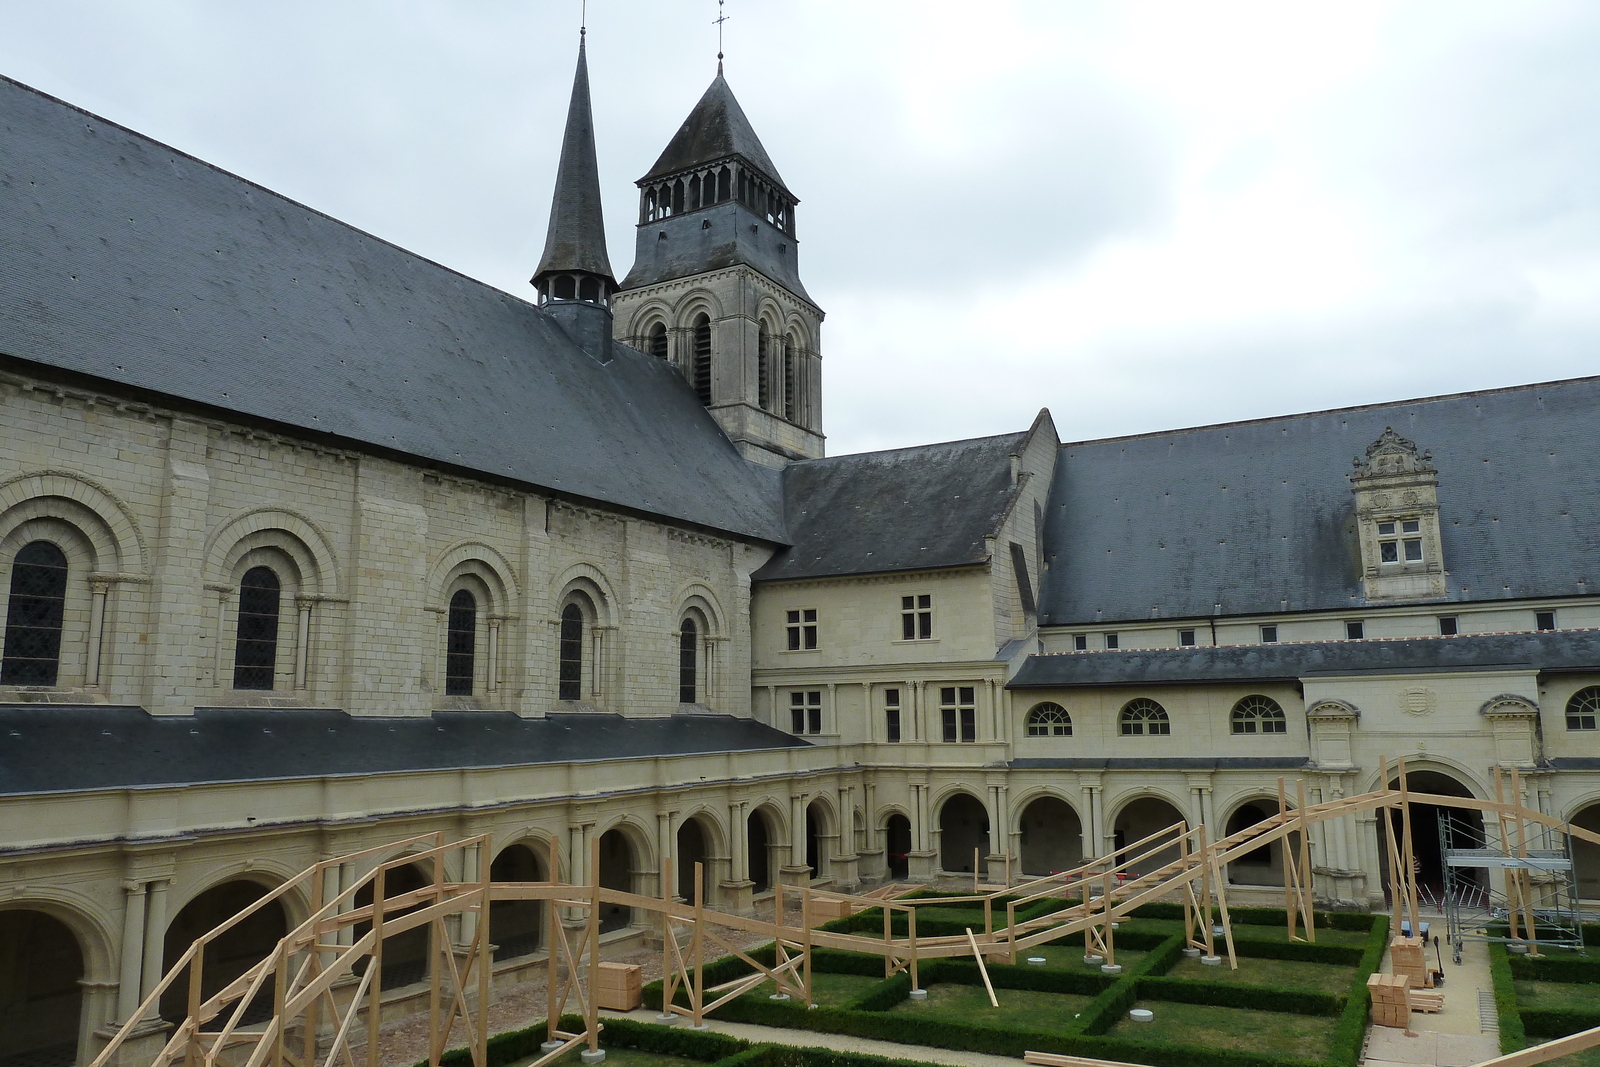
(1549, 650)
(715, 129)
(904, 509)
(61, 748)
(576, 239)
(1259, 516)
(125, 260)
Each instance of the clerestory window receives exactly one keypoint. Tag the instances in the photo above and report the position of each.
(460, 653)
(1049, 720)
(255, 653)
(1144, 716)
(1258, 715)
(34, 615)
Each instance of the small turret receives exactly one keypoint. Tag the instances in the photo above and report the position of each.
(574, 277)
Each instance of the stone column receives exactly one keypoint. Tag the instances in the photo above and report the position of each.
(155, 932)
(131, 971)
(914, 708)
(302, 644)
(218, 660)
(492, 683)
(843, 870)
(797, 871)
(1090, 827)
(98, 588)
(738, 891)
(1370, 882)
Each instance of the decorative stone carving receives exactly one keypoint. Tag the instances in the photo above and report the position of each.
(1418, 700)
(1397, 519)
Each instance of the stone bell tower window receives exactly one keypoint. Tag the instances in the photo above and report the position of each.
(702, 358)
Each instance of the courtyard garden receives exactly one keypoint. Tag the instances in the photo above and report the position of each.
(1539, 998)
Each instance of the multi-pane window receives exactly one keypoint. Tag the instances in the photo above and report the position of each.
(1049, 720)
(891, 714)
(802, 629)
(1186, 638)
(1269, 635)
(1544, 620)
(805, 711)
(1080, 642)
(461, 632)
(570, 654)
(1144, 716)
(1447, 626)
(1258, 715)
(1400, 541)
(916, 617)
(688, 662)
(1354, 630)
(959, 708)
(34, 614)
(1584, 709)
(1113, 641)
(255, 653)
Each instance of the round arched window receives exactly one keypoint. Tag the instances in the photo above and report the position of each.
(1258, 715)
(1049, 720)
(1584, 709)
(1144, 716)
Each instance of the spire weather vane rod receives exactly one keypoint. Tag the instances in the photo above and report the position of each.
(719, 20)
(583, 19)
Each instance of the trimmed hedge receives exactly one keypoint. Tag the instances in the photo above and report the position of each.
(1512, 1036)
(1233, 995)
(1548, 969)
(622, 1033)
(1345, 1048)
(1331, 920)
(1106, 1009)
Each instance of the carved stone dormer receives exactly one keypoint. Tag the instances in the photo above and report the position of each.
(1333, 724)
(1397, 516)
(1514, 721)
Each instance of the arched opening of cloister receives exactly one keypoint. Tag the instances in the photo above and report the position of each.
(1137, 820)
(405, 955)
(1586, 856)
(516, 927)
(1426, 837)
(1052, 837)
(816, 839)
(963, 827)
(238, 949)
(618, 861)
(694, 846)
(758, 846)
(41, 998)
(897, 846)
(1261, 866)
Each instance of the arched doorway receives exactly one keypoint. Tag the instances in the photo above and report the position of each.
(516, 926)
(963, 826)
(758, 847)
(1139, 819)
(1427, 845)
(230, 955)
(897, 845)
(1262, 866)
(1052, 837)
(616, 872)
(1586, 856)
(405, 955)
(693, 848)
(41, 1001)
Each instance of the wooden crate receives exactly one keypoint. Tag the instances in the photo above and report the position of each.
(823, 911)
(1391, 1000)
(620, 985)
(1406, 957)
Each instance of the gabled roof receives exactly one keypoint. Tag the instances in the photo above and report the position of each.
(715, 129)
(905, 509)
(576, 240)
(1259, 516)
(62, 748)
(1549, 650)
(147, 270)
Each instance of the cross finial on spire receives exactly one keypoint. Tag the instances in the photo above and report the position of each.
(719, 20)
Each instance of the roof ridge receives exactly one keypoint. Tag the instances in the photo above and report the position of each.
(1268, 419)
(225, 172)
(911, 448)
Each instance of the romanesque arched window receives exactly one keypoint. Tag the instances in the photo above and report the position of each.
(1258, 715)
(34, 614)
(571, 653)
(658, 340)
(688, 662)
(1049, 720)
(1144, 716)
(255, 653)
(763, 368)
(702, 358)
(1582, 710)
(460, 646)
(791, 378)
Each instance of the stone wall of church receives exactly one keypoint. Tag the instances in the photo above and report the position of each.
(161, 515)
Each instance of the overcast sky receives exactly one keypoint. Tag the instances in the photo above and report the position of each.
(1141, 215)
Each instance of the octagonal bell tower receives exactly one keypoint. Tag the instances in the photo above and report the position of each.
(715, 286)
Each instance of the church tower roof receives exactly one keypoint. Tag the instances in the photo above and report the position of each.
(716, 129)
(577, 238)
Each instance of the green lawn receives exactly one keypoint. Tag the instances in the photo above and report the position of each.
(1587, 1058)
(1274, 1033)
(1558, 996)
(618, 1057)
(827, 989)
(1277, 974)
(1071, 957)
(1020, 1009)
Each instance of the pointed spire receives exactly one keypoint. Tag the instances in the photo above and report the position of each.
(715, 129)
(576, 242)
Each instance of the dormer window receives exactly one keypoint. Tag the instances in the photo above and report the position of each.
(1397, 517)
(1400, 541)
